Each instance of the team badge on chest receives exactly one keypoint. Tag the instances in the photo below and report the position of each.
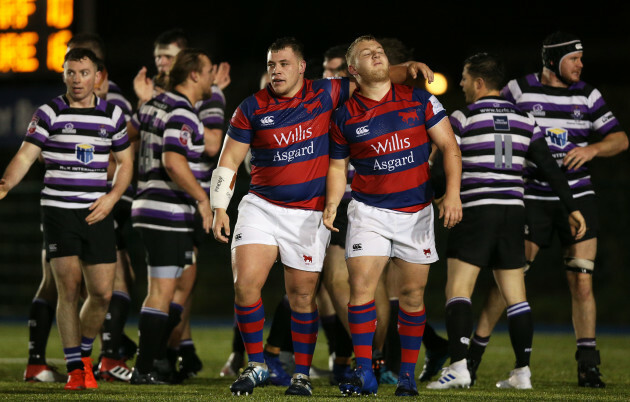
(84, 153)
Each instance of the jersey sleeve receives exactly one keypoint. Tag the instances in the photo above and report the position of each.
(340, 91)
(434, 112)
(604, 122)
(178, 133)
(120, 139)
(212, 111)
(339, 147)
(511, 91)
(37, 132)
(241, 128)
(458, 120)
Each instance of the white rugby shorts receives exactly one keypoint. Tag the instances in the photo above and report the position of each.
(376, 231)
(300, 235)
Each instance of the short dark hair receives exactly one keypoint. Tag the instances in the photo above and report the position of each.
(91, 41)
(288, 42)
(186, 61)
(80, 53)
(397, 52)
(336, 52)
(487, 66)
(354, 44)
(175, 35)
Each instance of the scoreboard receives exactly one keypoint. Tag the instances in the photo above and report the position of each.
(33, 37)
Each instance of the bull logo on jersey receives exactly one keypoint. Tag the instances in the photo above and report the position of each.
(85, 153)
(184, 134)
(307, 259)
(557, 136)
(32, 126)
(312, 106)
(427, 252)
(408, 116)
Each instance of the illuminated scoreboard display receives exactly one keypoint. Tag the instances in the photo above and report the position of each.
(33, 36)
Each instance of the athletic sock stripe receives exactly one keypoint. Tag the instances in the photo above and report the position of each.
(458, 300)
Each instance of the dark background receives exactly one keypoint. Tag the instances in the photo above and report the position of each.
(441, 34)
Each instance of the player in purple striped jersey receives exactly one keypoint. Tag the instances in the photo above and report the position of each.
(286, 126)
(168, 197)
(495, 138)
(111, 363)
(75, 133)
(385, 131)
(569, 111)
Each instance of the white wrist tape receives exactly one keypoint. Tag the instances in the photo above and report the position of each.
(222, 187)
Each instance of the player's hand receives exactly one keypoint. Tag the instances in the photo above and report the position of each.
(450, 208)
(577, 224)
(206, 214)
(101, 208)
(578, 156)
(330, 212)
(220, 225)
(415, 66)
(222, 76)
(102, 87)
(4, 190)
(143, 86)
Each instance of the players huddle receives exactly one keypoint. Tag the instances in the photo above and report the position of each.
(514, 162)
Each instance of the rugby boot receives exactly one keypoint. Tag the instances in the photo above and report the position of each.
(588, 373)
(254, 375)
(300, 385)
(43, 373)
(90, 381)
(362, 382)
(520, 378)
(76, 380)
(113, 370)
(406, 385)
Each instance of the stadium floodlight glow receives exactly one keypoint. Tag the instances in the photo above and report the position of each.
(439, 84)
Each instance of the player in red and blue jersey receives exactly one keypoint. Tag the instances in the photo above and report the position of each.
(286, 126)
(386, 130)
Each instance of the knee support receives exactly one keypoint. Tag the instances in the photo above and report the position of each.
(580, 265)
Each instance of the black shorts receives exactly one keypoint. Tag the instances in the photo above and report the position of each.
(66, 234)
(167, 249)
(341, 223)
(122, 222)
(544, 218)
(199, 235)
(489, 236)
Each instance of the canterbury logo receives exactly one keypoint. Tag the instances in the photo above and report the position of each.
(362, 131)
(266, 121)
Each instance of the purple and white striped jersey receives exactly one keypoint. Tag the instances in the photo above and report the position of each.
(567, 118)
(494, 137)
(115, 96)
(167, 123)
(211, 112)
(75, 145)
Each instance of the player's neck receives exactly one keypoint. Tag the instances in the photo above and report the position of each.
(375, 90)
(191, 93)
(85, 103)
(550, 79)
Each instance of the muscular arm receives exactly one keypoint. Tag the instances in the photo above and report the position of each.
(212, 138)
(232, 155)
(405, 73)
(611, 145)
(451, 207)
(335, 188)
(18, 167)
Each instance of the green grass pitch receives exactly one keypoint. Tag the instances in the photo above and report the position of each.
(553, 372)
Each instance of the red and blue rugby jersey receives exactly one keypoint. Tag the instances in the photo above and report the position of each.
(388, 145)
(289, 141)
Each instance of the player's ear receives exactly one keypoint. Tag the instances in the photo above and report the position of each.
(302, 66)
